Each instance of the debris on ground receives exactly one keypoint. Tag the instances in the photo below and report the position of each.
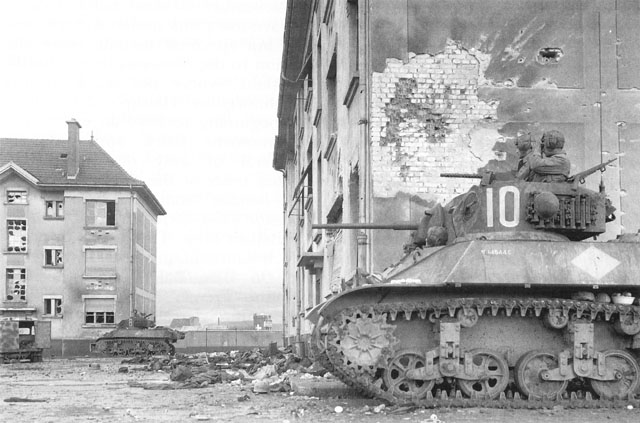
(267, 371)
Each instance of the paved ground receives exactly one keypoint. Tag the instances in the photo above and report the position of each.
(92, 390)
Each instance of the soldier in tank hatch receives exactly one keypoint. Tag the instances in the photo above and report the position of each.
(525, 147)
(550, 165)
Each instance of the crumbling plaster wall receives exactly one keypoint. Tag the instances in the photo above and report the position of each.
(427, 118)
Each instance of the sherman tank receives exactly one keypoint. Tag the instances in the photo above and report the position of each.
(503, 294)
(137, 336)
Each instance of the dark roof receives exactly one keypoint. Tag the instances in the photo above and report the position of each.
(46, 160)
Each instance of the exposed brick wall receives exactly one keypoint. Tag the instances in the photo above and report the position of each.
(427, 118)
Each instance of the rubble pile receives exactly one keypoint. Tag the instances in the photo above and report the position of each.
(265, 372)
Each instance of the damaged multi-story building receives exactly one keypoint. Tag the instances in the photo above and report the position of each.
(378, 98)
(78, 238)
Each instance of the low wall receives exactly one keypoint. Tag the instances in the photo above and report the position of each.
(227, 340)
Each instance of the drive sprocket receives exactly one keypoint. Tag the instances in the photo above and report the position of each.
(365, 341)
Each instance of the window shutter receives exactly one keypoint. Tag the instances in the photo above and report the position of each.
(97, 305)
(91, 213)
(100, 262)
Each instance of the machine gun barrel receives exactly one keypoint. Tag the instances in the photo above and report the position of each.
(580, 176)
(461, 175)
(395, 226)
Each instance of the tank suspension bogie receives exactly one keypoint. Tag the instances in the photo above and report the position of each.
(529, 379)
(366, 348)
(625, 378)
(397, 378)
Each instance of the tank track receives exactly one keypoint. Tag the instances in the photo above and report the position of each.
(323, 346)
(111, 346)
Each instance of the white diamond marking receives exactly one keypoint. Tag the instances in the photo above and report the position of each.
(595, 262)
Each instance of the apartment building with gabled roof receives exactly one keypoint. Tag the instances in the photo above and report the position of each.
(77, 236)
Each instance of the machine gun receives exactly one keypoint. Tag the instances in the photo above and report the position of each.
(580, 176)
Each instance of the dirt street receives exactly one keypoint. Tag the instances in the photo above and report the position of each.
(93, 390)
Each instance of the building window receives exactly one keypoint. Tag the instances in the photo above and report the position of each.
(53, 256)
(54, 209)
(100, 262)
(101, 213)
(99, 311)
(16, 235)
(53, 306)
(16, 284)
(17, 196)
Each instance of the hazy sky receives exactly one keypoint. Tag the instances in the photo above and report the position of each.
(183, 94)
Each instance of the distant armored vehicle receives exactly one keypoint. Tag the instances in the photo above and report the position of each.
(502, 292)
(138, 336)
(24, 339)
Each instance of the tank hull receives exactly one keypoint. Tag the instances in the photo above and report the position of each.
(484, 318)
(524, 262)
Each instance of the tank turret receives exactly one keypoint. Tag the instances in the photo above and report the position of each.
(507, 208)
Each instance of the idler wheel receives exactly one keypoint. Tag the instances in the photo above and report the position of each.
(546, 205)
(396, 380)
(530, 383)
(627, 374)
(495, 376)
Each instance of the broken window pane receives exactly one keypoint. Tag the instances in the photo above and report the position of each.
(16, 235)
(16, 284)
(100, 213)
(17, 196)
(53, 256)
(54, 208)
(53, 306)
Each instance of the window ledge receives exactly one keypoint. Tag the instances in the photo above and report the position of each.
(6, 203)
(100, 277)
(98, 325)
(52, 316)
(47, 266)
(100, 227)
(14, 252)
(52, 218)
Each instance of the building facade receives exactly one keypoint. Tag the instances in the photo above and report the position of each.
(379, 97)
(79, 238)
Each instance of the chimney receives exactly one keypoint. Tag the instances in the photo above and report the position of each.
(73, 149)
